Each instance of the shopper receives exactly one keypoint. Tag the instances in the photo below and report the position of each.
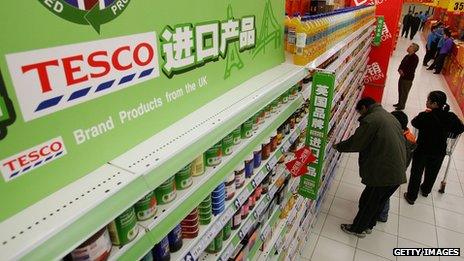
(415, 24)
(434, 125)
(382, 162)
(406, 24)
(424, 18)
(406, 70)
(410, 146)
(445, 50)
(432, 43)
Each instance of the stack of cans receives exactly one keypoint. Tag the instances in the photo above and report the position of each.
(205, 211)
(190, 225)
(218, 199)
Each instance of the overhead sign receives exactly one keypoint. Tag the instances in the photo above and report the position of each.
(105, 75)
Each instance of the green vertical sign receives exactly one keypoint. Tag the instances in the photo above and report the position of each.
(317, 131)
(378, 31)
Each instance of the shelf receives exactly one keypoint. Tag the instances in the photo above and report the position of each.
(185, 202)
(336, 48)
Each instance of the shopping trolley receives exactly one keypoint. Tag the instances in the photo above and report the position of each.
(451, 142)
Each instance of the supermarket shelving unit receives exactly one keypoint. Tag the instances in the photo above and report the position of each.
(54, 226)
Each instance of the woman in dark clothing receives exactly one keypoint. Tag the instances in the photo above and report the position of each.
(434, 125)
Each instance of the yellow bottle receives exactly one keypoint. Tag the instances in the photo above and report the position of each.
(291, 38)
(286, 24)
(301, 55)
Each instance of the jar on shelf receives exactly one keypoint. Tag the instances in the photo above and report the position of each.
(124, 228)
(198, 166)
(228, 144)
(166, 192)
(213, 156)
(249, 166)
(145, 208)
(184, 177)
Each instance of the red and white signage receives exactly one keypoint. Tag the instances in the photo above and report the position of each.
(52, 79)
(30, 159)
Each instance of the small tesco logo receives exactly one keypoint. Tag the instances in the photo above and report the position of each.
(27, 160)
(52, 79)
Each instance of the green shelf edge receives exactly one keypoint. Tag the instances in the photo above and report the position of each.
(162, 229)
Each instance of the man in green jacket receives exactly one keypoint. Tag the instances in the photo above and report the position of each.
(382, 162)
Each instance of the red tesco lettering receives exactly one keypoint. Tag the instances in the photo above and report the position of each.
(32, 156)
(77, 68)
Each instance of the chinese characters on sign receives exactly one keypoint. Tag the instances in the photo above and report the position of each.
(185, 46)
(379, 29)
(318, 128)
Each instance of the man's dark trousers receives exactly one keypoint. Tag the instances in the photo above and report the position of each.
(429, 55)
(371, 204)
(405, 30)
(438, 62)
(404, 86)
(431, 164)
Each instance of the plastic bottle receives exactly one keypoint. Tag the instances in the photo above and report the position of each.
(301, 55)
(291, 39)
(286, 25)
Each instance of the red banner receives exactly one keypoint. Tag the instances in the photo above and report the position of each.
(298, 166)
(380, 56)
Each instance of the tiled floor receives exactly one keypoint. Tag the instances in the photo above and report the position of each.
(436, 221)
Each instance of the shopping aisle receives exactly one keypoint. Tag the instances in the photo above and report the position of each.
(436, 221)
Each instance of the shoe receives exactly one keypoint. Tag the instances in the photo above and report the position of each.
(347, 229)
(368, 231)
(429, 68)
(396, 105)
(436, 72)
(423, 193)
(410, 201)
(383, 220)
(399, 108)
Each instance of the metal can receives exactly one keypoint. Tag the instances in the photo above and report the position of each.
(257, 157)
(249, 166)
(239, 176)
(175, 239)
(245, 209)
(237, 219)
(184, 177)
(124, 228)
(274, 141)
(230, 186)
(237, 134)
(161, 250)
(266, 149)
(146, 207)
(247, 129)
(213, 156)
(227, 230)
(205, 211)
(216, 245)
(97, 247)
(228, 144)
(198, 166)
(166, 192)
(190, 225)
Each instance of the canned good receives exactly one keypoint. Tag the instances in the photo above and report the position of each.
(266, 149)
(216, 245)
(255, 122)
(257, 157)
(161, 250)
(267, 111)
(175, 239)
(274, 141)
(124, 228)
(258, 191)
(252, 201)
(274, 105)
(237, 219)
(292, 122)
(146, 207)
(213, 156)
(228, 144)
(265, 184)
(249, 166)
(184, 178)
(239, 176)
(230, 186)
(285, 97)
(227, 230)
(237, 134)
(166, 192)
(247, 129)
(97, 247)
(198, 166)
(280, 135)
(245, 209)
(190, 225)
(259, 118)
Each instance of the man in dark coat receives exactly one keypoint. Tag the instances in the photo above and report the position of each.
(407, 72)
(415, 24)
(406, 24)
(382, 162)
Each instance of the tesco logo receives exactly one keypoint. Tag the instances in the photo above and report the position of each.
(30, 159)
(52, 79)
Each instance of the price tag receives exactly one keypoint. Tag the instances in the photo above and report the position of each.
(227, 252)
(286, 146)
(265, 233)
(246, 227)
(271, 163)
(195, 252)
(294, 137)
(227, 216)
(242, 198)
(291, 217)
(272, 192)
(260, 177)
(279, 243)
(261, 208)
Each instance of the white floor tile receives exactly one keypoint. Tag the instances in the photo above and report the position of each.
(352, 177)
(319, 223)
(451, 258)
(451, 187)
(448, 238)
(333, 187)
(449, 202)
(326, 203)
(391, 226)
(405, 243)
(343, 208)
(379, 243)
(325, 250)
(349, 191)
(458, 163)
(333, 231)
(417, 231)
(310, 246)
(450, 220)
(361, 255)
(417, 211)
(395, 205)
